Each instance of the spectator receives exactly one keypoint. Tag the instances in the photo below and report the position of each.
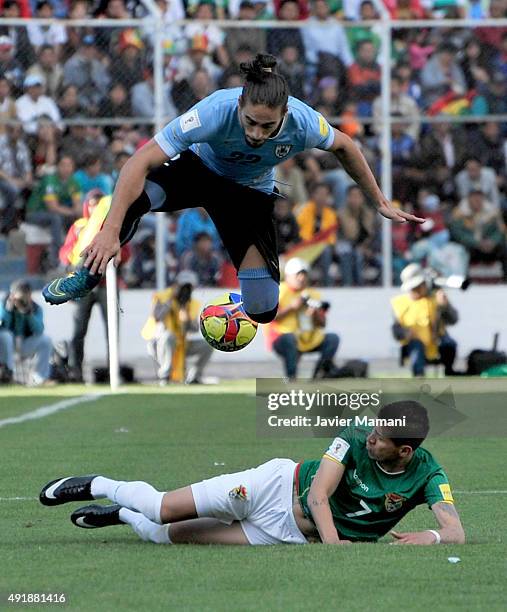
(476, 224)
(474, 64)
(88, 74)
(127, 67)
(403, 148)
(324, 36)
(474, 177)
(68, 102)
(117, 104)
(401, 105)
(173, 316)
(492, 35)
(22, 333)
(493, 96)
(299, 326)
(442, 75)
(292, 68)
(142, 98)
(290, 181)
(15, 173)
(488, 146)
(358, 33)
(316, 216)
(91, 176)
(7, 105)
(40, 35)
(254, 38)
(217, 7)
(18, 37)
(358, 232)
(198, 58)
(330, 100)
(33, 105)
(421, 319)
(442, 151)
(45, 147)
(303, 7)
(49, 70)
(55, 203)
(433, 243)
(191, 222)
(280, 38)
(173, 10)
(500, 61)
(353, 10)
(10, 68)
(287, 228)
(111, 9)
(204, 260)
(205, 11)
(364, 77)
(78, 144)
(187, 93)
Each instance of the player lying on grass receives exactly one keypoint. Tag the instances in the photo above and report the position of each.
(220, 155)
(365, 483)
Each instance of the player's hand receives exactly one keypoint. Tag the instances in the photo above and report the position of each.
(397, 215)
(101, 249)
(423, 538)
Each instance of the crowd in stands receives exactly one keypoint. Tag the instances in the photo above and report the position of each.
(62, 83)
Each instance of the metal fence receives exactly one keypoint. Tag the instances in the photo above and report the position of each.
(112, 83)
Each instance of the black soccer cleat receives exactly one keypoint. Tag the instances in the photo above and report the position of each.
(69, 489)
(95, 516)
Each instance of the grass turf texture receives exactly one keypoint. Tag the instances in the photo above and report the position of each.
(177, 436)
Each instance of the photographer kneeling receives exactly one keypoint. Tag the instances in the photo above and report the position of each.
(299, 325)
(422, 315)
(21, 332)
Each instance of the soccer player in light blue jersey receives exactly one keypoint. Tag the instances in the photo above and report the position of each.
(220, 155)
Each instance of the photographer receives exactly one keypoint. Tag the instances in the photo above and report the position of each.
(299, 325)
(21, 332)
(422, 314)
(174, 314)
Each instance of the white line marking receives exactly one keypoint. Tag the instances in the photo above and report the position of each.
(44, 411)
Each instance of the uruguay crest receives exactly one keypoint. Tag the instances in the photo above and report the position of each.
(282, 150)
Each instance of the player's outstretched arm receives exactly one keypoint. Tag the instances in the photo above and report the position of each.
(450, 532)
(356, 166)
(324, 484)
(129, 187)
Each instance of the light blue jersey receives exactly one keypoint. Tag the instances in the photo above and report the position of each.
(211, 129)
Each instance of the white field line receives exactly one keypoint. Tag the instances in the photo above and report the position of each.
(490, 492)
(45, 411)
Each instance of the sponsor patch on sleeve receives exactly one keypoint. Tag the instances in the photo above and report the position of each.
(445, 489)
(323, 126)
(337, 450)
(190, 121)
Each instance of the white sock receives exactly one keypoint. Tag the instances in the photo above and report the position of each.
(147, 530)
(139, 496)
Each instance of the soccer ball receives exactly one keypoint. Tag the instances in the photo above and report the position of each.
(225, 324)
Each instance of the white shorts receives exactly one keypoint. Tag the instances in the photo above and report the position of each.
(259, 498)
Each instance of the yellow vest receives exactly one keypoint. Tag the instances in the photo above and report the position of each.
(171, 321)
(308, 336)
(420, 316)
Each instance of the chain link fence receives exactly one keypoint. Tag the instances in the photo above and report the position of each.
(425, 101)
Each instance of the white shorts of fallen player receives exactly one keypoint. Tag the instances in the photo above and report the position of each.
(259, 498)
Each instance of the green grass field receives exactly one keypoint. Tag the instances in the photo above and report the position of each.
(176, 436)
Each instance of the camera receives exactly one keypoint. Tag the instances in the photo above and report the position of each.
(184, 294)
(316, 304)
(454, 281)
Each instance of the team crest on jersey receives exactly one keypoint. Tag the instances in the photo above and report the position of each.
(238, 493)
(393, 502)
(282, 150)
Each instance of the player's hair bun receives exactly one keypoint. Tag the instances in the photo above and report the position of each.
(257, 69)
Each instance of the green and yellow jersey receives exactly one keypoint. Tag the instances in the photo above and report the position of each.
(369, 501)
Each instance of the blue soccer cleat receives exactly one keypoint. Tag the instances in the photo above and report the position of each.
(72, 287)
